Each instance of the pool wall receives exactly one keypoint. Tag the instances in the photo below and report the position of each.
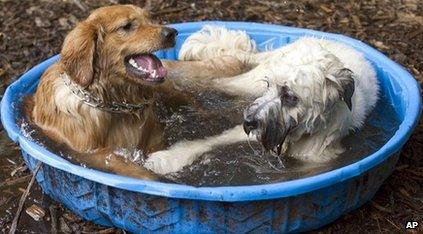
(144, 213)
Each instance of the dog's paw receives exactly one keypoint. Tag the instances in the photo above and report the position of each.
(163, 162)
(176, 157)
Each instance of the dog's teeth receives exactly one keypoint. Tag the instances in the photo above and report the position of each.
(133, 63)
(153, 74)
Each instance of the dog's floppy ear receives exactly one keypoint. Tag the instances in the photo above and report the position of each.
(78, 53)
(288, 97)
(344, 82)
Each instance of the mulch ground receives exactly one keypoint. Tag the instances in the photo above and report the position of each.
(33, 30)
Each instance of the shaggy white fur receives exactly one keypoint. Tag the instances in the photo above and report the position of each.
(186, 152)
(213, 41)
(301, 89)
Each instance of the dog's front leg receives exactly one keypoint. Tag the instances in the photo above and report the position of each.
(184, 153)
(108, 161)
(204, 70)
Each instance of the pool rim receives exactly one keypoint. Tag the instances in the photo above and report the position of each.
(235, 193)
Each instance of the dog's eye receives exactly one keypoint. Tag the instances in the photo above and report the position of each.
(127, 26)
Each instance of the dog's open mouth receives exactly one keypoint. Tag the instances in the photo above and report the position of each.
(146, 67)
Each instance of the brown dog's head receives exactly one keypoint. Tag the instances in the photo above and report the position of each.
(116, 43)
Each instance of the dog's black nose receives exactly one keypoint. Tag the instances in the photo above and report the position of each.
(249, 125)
(169, 34)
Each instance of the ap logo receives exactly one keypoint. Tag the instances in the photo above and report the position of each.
(411, 225)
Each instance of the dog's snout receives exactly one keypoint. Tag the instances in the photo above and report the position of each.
(169, 34)
(250, 124)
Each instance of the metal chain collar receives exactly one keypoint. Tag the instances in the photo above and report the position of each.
(93, 101)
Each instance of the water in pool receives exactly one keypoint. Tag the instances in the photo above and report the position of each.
(245, 163)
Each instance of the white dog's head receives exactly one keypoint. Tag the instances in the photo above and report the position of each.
(290, 109)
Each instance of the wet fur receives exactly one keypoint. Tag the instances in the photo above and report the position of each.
(92, 56)
(334, 86)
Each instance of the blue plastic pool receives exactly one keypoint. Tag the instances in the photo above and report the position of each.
(292, 206)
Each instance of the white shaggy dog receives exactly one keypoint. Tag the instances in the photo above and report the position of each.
(309, 95)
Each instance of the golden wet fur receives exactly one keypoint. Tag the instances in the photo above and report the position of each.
(93, 56)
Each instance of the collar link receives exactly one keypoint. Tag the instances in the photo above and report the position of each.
(95, 102)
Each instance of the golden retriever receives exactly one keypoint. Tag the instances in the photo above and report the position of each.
(99, 97)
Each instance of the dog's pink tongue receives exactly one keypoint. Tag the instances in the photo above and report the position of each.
(151, 63)
(161, 72)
